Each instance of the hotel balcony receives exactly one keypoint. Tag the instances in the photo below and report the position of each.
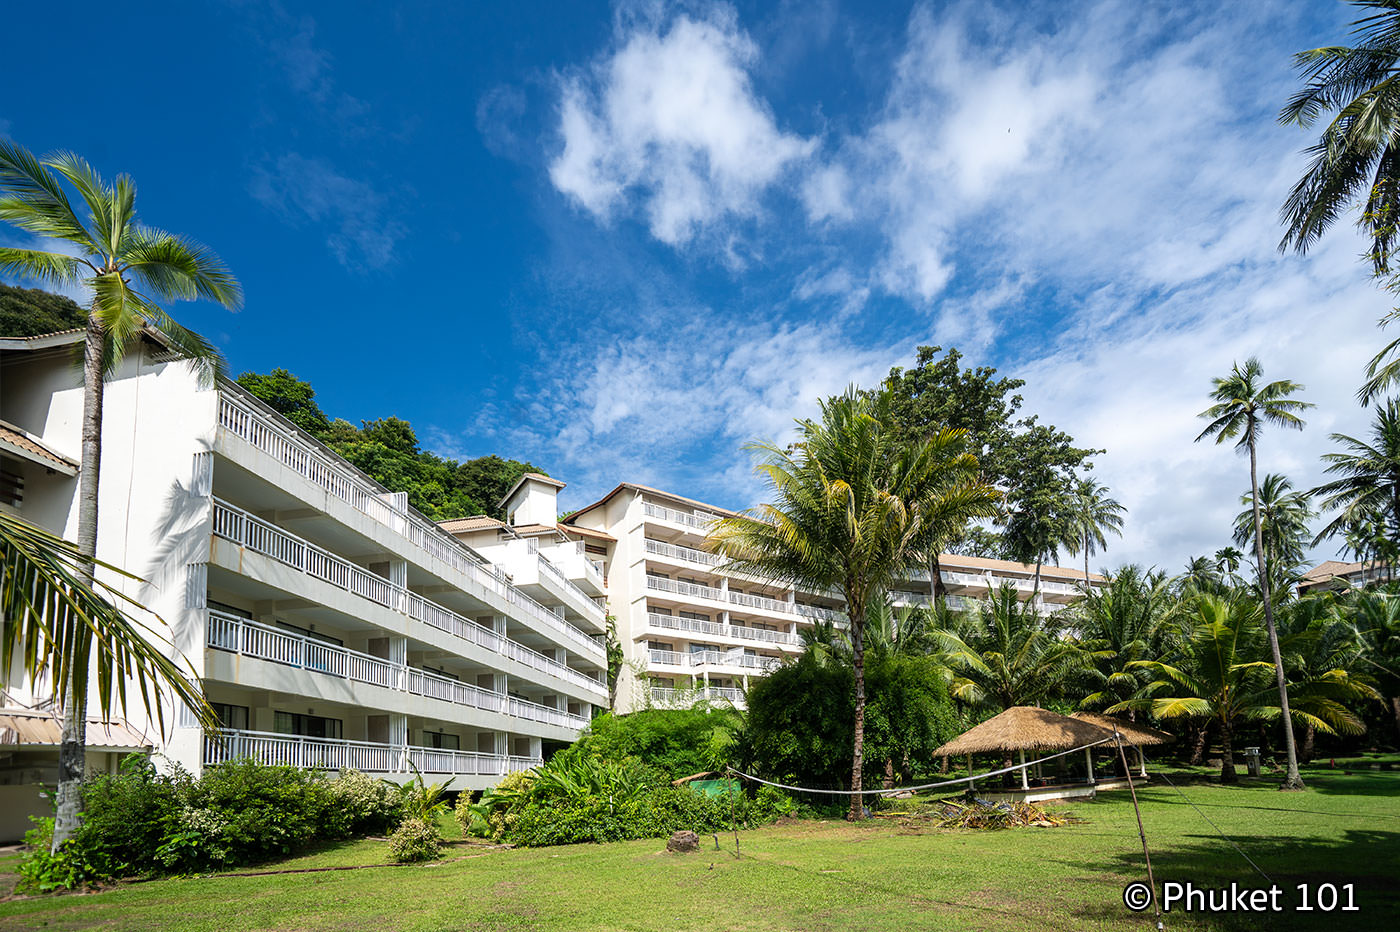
(313, 658)
(733, 661)
(475, 770)
(698, 523)
(722, 600)
(715, 630)
(256, 539)
(255, 438)
(669, 698)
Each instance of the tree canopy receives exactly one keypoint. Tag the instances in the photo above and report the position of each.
(29, 312)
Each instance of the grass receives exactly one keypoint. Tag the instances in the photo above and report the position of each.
(891, 875)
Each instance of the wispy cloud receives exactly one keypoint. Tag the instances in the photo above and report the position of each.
(667, 122)
(306, 67)
(362, 234)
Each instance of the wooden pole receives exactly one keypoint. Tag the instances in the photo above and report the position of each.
(1089, 762)
(1025, 785)
(1151, 884)
(971, 784)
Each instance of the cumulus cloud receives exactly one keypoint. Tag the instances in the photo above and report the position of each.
(667, 122)
(356, 213)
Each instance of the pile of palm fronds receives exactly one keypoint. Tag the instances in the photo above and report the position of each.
(981, 813)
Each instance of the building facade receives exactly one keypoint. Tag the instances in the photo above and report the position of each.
(332, 624)
(690, 631)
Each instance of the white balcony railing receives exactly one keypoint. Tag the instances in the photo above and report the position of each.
(676, 552)
(714, 658)
(556, 574)
(824, 614)
(699, 520)
(666, 696)
(714, 629)
(760, 601)
(257, 535)
(251, 639)
(303, 457)
(333, 754)
(662, 584)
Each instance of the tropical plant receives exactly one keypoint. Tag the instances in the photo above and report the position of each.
(423, 800)
(1124, 622)
(127, 267)
(1243, 405)
(1323, 657)
(1004, 654)
(1220, 677)
(1227, 561)
(1284, 515)
(1091, 515)
(855, 506)
(1201, 574)
(1375, 620)
(1366, 492)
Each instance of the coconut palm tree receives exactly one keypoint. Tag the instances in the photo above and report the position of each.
(1358, 153)
(1367, 488)
(1227, 561)
(1120, 624)
(1375, 618)
(1243, 405)
(127, 267)
(1221, 677)
(1284, 516)
(1091, 513)
(1323, 655)
(1004, 654)
(854, 507)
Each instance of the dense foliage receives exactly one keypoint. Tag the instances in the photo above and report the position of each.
(674, 742)
(139, 822)
(387, 450)
(28, 312)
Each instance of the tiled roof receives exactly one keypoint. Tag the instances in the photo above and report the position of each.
(17, 442)
(471, 523)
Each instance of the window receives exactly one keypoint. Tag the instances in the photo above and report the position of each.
(442, 742)
(442, 673)
(230, 610)
(308, 633)
(231, 716)
(307, 726)
(695, 616)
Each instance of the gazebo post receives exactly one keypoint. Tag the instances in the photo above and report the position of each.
(1142, 763)
(971, 783)
(1089, 760)
(1024, 784)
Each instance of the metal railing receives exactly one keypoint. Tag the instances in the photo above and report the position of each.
(699, 520)
(558, 576)
(761, 601)
(713, 658)
(662, 584)
(258, 535)
(669, 696)
(347, 484)
(714, 629)
(824, 614)
(677, 552)
(227, 745)
(252, 639)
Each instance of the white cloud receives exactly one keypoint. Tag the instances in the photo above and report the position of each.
(302, 189)
(670, 116)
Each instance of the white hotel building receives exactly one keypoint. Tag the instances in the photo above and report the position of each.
(691, 631)
(332, 624)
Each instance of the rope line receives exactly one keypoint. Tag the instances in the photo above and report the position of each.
(1218, 831)
(925, 786)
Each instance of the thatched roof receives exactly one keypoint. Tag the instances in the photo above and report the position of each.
(1024, 728)
(1140, 735)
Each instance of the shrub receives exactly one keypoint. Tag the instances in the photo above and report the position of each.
(126, 816)
(676, 742)
(371, 807)
(416, 839)
(42, 872)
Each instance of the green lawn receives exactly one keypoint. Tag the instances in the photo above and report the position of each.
(819, 875)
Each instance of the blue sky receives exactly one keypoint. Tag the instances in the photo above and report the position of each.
(620, 240)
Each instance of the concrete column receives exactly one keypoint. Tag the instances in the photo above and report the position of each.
(398, 729)
(1089, 761)
(1142, 763)
(1025, 784)
(398, 573)
(502, 744)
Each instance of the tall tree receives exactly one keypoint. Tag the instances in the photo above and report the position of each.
(1366, 490)
(1092, 515)
(1375, 619)
(1244, 403)
(1284, 514)
(1227, 561)
(1323, 655)
(853, 505)
(1119, 625)
(127, 267)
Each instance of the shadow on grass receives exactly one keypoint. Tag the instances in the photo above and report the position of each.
(1368, 858)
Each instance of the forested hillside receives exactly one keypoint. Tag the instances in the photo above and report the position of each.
(27, 312)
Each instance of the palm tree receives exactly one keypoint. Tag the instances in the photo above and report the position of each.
(1220, 677)
(1202, 574)
(1375, 619)
(1243, 405)
(1367, 490)
(1324, 659)
(110, 253)
(854, 506)
(1284, 516)
(1091, 513)
(1005, 654)
(1227, 561)
(1120, 624)
(1358, 153)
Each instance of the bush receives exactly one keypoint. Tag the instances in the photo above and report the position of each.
(416, 839)
(127, 816)
(42, 872)
(371, 807)
(676, 742)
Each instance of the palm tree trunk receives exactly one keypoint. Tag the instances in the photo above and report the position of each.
(1086, 562)
(73, 742)
(1198, 745)
(857, 617)
(1309, 741)
(935, 578)
(1292, 780)
(1227, 754)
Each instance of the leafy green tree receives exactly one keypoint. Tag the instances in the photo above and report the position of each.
(1323, 656)
(29, 312)
(290, 397)
(127, 267)
(1366, 490)
(1004, 654)
(1284, 514)
(1374, 615)
(1092, 515)
(1244, 403)
(1221, 676)
(676, 742)
(854, 507)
